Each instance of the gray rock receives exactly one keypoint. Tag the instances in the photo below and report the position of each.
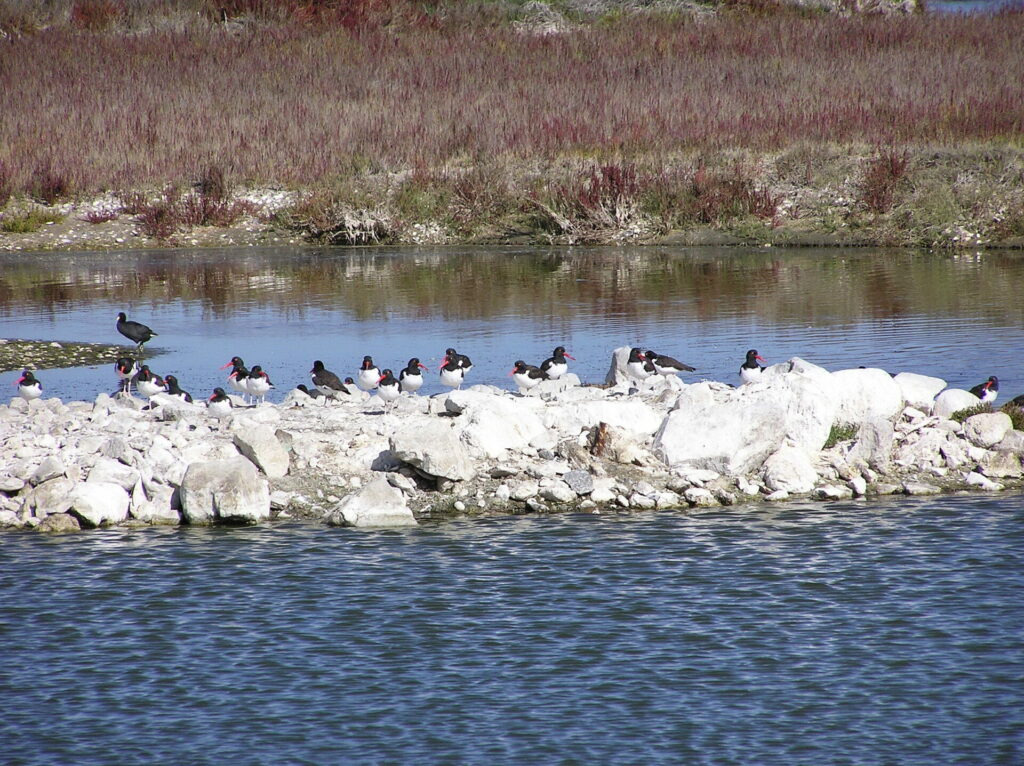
(378, 504)
(50, 468)
(535, 505)
(920, 488)
(699, 496)
(558, 492)
(580, 482)
(832, 492)
(58, 523)
(9, 519)
(112, 471)
(790, 468)
(229, 490)
(97, 503)
(874, 442)
(11, 484)
(434, 449)
(523, 490)
(53, 496)
(1012, 442)
(987, 429)
(260, 444)
(117, 448)
(1001, 465)
(887, 488)
(975, 479)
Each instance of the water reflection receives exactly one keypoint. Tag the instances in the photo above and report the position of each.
(842, 308)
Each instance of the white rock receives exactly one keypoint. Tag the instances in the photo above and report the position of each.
(226, 490)
(920, 488)
(1012, 442)
(987, 429)
(50, 468)
(111, 471)
(631, 415)
(874, 442)
(791, 469)
(97, 503)
(558, 492)
(832, 492)
(602, 495)
(434, 448)
(863, 394)
(53, 496)
(378, 504)
(975, 479)
(260, 444)
(700, 497)
(953, 400)
(919, 390)
(617, 371)
(523, 490)
(1001, 465)
(737, 431)
(637, 500)
(496, 424)
(858, 486)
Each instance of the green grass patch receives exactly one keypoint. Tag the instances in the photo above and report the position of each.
(1016, 415)
(961, 415)
(29, 221)
(840, 432)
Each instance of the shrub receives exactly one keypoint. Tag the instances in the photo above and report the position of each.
(27, 222)
(883, 175)
(95, 15)
(101, 216)
(961, 415)
(5, 183)
(840, 432)
(1016, 414)
(50, 185)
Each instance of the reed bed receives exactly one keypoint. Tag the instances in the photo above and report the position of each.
(308, 104)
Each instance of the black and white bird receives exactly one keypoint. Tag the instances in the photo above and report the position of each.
(555, 366)
(526, 376)
(126, 370)
(666, 365)
(312, 393)
(750, 370)
(326, 382)
(461, 360)
(219, 405)
(136, 332)
(28, 387)
(148, 383)
(452, 373)
(238, 378)
(258, 383)
(368, 374)
(173, 389)
(638, 366)
(987, 391)
(410, 379)
(388, 389)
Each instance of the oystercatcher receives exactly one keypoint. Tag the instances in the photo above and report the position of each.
(460, 359)
(219, 405)
(556, 366)
(666, 365)
(388, 389)
(526, 376)
(987, 391)
(638, 366)
(258, 383)
(173, 389)
(28, 387)
(326, 382)
(238, 379)
(134, 331)
(313, 393)
(148, 383)
(368, 375)
(1017, 401)
(452, 373)
(750, 370)
(126, 369)
(411, 379)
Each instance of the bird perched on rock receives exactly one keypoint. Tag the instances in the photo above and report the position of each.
(638, 366)
(219, 404)
(134, 331)
(750, 370)
(388, 389)
(148, 382)
(452, 373)
(258, 383)
(368, 374)
(411, 379)
(173, 389)
(526, 376)
(126, 369)
(461, 360)
(326, 382)
(987, 391)
(28, 387)
(666, 365)
(555, 366)
(238, 377)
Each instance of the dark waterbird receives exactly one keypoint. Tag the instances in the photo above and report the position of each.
(134, 331)
(987, 391)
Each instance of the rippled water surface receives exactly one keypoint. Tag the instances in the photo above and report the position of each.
(842, 634)
(957, 317)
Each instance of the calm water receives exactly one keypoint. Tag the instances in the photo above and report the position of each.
(843, 634)
(958, 317)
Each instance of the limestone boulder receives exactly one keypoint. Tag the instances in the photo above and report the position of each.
(617, 371)
(953, 400)
(53, 496)
(110, 471)
(631, 415)
(1012, 442)
(987, 429)
(378, 504)
(864, 394)
(230, 490)
(58, 523)
(51, 467)
(919, 390)
(874, 442)
(791, 469)
(734, 431)
(433, 447)
(98, 503)
(495, 424)
(260, 444)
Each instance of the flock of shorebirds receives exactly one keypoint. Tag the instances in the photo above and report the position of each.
(253, 383)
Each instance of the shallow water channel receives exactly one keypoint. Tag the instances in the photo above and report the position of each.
(861, 632)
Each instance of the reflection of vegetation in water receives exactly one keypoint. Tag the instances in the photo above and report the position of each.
(824, 287)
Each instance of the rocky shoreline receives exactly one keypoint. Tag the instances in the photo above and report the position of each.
(648, 445)
(16, 354)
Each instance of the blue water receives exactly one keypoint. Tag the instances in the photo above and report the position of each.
(890, 632)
